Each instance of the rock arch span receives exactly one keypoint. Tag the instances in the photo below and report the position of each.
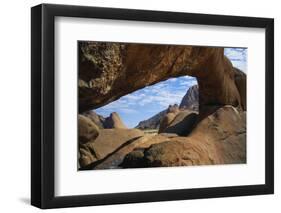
(108, 71)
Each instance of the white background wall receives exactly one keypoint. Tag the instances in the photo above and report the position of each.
(15, 105)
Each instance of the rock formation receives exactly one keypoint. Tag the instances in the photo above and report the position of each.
(87, 129)
(191, 99)
(180, 120)
(166, 120)
(173, 109)
(220, 138)
(114, 122)
(104, 67)
(240, 81)
(97, 119)
(107, 142)
(99, 136)
(181, 124)
(114, 160)
(214, 135)
(153, 122)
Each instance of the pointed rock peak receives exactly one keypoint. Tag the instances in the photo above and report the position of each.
(173, 108)
(114, 121)
(191, 99)
(114, 114)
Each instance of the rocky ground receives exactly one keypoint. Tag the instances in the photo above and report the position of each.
(183, 139)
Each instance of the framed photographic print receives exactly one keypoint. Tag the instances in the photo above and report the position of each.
(140, 106)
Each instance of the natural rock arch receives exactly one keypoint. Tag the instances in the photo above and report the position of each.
(108, 71)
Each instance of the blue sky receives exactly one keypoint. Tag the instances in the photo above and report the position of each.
(238, 57)
(146, 102)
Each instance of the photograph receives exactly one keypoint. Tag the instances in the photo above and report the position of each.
(146, 105)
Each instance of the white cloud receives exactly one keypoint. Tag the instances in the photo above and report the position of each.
(133, 97)
(172, 79)
(238, 57)
(188, 83)
(156, 98)
(128, 110)
(189, 78)
(162, 97)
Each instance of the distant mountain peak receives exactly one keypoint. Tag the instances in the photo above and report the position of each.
(189, 101)
(113, 121)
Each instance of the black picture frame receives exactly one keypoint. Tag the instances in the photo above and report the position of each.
(43, 117)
